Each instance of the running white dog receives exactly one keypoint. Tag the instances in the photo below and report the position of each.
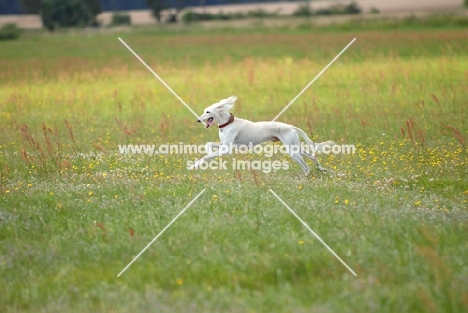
(237, 132)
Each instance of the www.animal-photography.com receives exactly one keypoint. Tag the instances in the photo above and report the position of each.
(234, 156)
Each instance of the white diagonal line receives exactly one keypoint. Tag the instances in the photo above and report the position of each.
(160, 233)
(313, 233)
(313, 80)
(159, 78)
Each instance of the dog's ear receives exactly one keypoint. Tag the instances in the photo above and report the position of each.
(226, 104)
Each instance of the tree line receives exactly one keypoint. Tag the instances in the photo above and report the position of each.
(79, 13)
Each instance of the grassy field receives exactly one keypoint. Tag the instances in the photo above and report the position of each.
(74, 212)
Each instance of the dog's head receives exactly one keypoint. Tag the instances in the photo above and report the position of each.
(218, 112)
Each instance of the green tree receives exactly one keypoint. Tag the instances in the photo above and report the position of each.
(69, 13)
(156, 6)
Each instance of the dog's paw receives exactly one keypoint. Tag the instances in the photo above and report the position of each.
(322, 169)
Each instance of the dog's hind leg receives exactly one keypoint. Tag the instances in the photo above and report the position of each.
(299, 160)
(314, 158)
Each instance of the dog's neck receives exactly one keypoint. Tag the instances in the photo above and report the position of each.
(229, 121)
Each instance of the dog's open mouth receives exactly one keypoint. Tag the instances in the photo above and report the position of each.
(209, 122)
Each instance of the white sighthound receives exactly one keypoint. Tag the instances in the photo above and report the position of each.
(235, 131)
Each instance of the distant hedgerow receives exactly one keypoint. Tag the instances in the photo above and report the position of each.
(121, 19)
(306, 10)
(9, 31)
(191, 16)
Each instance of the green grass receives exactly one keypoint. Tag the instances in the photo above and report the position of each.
(74, 212)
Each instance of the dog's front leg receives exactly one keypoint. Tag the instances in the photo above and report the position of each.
(203, 159)
(210, 145)
(222, 150)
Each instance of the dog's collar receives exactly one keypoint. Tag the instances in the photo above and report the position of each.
(231, 119)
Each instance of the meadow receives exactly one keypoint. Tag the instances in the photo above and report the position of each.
(74, 211)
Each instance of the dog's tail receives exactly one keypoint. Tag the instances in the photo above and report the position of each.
(317, 146)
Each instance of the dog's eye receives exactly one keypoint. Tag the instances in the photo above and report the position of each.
(207, 111)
